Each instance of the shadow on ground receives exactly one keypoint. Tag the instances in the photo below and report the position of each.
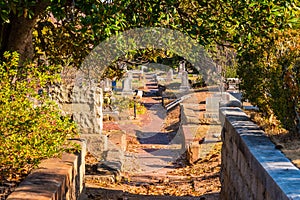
(152, 137)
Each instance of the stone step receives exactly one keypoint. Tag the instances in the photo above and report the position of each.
(114, 159)
(100, 179)
(139, 179)
(101, 173)
(156, 146)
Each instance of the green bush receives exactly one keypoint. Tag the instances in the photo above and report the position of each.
(270, 76)
(124, 103)
(31, 127)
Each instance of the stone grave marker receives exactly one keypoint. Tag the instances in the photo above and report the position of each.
(127, 84)
(107, 85)
(181, 66)
(143, 68)
(184, 82)
(212, 107)
(170, 75)
(130, 75)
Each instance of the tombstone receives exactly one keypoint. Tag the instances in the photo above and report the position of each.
(143, 68)
(170, 75)
(212, 107)
(130, 75)
(184, 87)
(181, 67)
(155, 79)
(127, 85)
(143, 77)
(107, 87)
(212, 104)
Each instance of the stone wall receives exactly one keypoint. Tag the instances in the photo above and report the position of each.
(83, 102)
(252, 168)
(54, 179)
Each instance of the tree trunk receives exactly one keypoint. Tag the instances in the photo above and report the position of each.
(17, 35)
(297, 119)
(20, 37)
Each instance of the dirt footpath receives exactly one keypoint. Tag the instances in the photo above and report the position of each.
(177, 180)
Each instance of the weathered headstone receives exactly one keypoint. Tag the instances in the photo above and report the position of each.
(170, 75)
(212, 107)
(184, 82)
(107, 87)
(127, 84)
(83, 101)
(130, 75)
(212, 104)
(143, 68)
(181, 66)
(155, 79)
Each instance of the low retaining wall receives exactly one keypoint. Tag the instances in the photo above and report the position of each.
(252, 168)
(54, 179)
(190, 112)
(188, 127)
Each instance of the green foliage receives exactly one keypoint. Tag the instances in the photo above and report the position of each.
(271, 77)
(31, 127)
(72, 30)
(140, 108)
(18, 8)
(230, 71)
(231, 30)
(123, 104)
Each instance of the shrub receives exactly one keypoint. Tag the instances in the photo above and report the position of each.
(124, 103)
(31, 127)
(270, 77)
